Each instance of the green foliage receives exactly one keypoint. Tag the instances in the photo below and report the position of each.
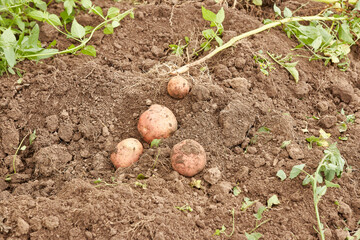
(329, 42)
(281, 174)
(286, 62)
(265, 65)
(19, 30)
(196, 184)
(209, 34)
(285, 143)
(184, 208)
(273, 200)
(218, 232)
(331, 165)
(155, 144)
(178, 50)
(253, 236)
(236, 191)
(320, 141)
(101, 183)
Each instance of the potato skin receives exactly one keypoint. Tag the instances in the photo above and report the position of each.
(157, 122)
(188, 158)
(126, 153)
(178, 87)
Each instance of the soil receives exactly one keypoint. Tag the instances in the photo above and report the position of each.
(81, 107)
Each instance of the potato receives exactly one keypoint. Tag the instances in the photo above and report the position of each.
(178, 87)
(126, 153)
(188, 157)
(157, 122)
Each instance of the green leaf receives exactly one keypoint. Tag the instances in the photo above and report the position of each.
(345, 34)
(324, 135)
(52, 44)
(307, 180)
(20, 23)
(257, 2)
(155, 143)
(220, 16)
(77, 30)
(40, 4)
(273, 201)
(342, 127)
(54, 20)
(320, 191)
(285, 143)
(89, 50)
(281, 174)
(330, 184)
(208, 15)
(86, 3)
(8, 38)
(259, 213)
(23, 148)
(37, 15)
(264, 129)
(112, 12)
(69, 6)
(236, 191)
(316, 43)
(293, 71)
(343, 138)
(208, 34)
(108, 29)
(10, 56)
(253, 236)
(141, 177)
(287, 12)
(32, 137)
(115, 24)
(296, 170)
(277, 10)
(34, 36)
(219, 40)
(98, 11)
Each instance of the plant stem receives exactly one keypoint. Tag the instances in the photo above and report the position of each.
(17, 150)
(258, 225)
(233, 223)
(234, 40)
(317, 198)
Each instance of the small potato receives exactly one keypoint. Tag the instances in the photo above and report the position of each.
(157, 122)
(126, 153)
(188, 158)
(178, 87)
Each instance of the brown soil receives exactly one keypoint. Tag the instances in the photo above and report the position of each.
(81, 107)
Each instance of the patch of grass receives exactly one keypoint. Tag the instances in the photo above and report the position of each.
(19, 39)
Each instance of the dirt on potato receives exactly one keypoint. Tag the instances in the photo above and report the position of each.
(67, 188)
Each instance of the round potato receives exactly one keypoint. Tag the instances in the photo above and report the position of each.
(126, 153)
(178, 87)
(156, 123)
(188, 158)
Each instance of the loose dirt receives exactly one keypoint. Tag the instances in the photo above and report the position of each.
(81, 107)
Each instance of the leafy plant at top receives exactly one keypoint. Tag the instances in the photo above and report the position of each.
(209, 34)
(20, 32)
(265, 65)
(330, 43)
(331, 165)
